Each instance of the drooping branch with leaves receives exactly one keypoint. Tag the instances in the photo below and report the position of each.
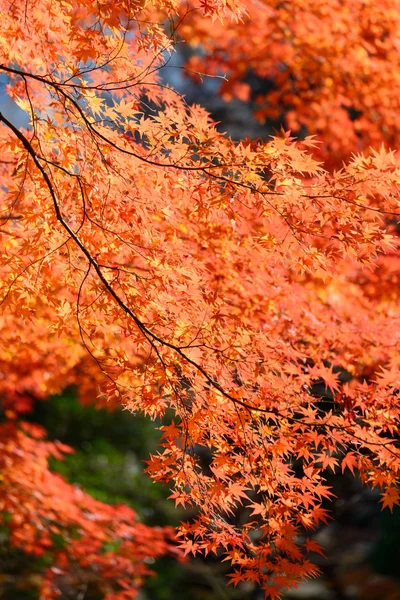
(151, 261)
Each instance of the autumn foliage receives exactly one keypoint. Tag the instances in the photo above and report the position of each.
(328, 67)
(149, 260)
(87, 538)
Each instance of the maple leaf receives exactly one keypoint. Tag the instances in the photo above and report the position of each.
(326, 373)
(349, 461)
(389, 377)
(238, 491)
(313, 546)
(189, 546)
(236, 577)
(271, 591)
(390, 497)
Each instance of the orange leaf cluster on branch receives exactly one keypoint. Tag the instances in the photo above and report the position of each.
(149, 260)
(330, 67)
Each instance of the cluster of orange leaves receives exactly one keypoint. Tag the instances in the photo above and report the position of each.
(150, 261)
(329, 66)
(41, 510)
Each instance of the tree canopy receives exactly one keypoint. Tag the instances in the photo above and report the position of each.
(153, 263)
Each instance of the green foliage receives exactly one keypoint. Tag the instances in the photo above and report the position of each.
(110, 447)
